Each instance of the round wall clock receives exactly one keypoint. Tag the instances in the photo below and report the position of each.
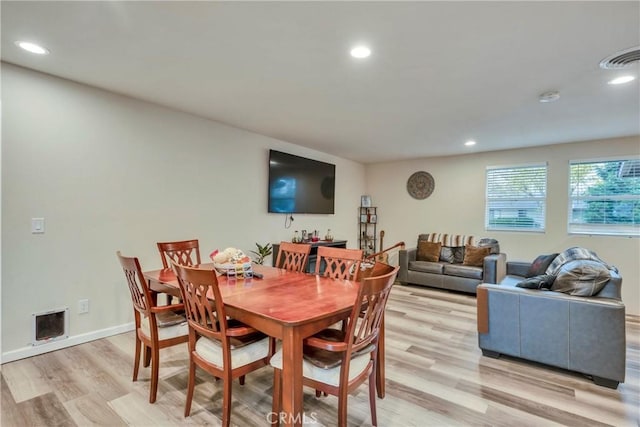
(420, 185)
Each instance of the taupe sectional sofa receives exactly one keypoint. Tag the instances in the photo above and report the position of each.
(444, 274)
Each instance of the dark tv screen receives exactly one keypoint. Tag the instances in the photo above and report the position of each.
(300, 185)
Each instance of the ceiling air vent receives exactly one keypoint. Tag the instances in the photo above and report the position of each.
(622, 59)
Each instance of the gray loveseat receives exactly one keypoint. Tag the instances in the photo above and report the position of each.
(455, 276)
(582, 334)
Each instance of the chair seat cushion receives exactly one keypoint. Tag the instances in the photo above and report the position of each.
(329, 376)
(170, 318)
(165, 332)
(211, 351)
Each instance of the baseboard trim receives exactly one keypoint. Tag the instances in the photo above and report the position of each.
(29, 351)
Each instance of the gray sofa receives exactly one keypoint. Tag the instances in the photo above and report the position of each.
(452, 276)
(582, 334)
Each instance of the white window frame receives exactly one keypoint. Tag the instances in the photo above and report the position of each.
(515, 200)
(574, 227)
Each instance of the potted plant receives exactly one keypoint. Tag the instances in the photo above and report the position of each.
(262, 252)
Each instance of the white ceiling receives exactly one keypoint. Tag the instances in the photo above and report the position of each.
(440, 72)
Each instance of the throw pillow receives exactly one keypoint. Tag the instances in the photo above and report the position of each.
(474, 256)
(581, 278)
(492, 243)
(540, 265)
(428, 251)
(446, 254)
(458, 254)
(542, 281)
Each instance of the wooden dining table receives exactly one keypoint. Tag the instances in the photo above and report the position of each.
(286, 305)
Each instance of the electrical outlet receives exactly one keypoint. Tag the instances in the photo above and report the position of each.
(83, 306)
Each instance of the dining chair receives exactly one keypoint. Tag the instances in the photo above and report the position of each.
(293, 256)
(223, 347)
(339, 263)
(156, 327)
(336, 361)
(185, 252)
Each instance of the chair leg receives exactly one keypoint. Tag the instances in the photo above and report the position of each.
(155, 369)
(342, 406)
(241, 380)
(226, 400)
(190, 385)
(372, 397)
(147, 356)
(136, 359)
(277, 396)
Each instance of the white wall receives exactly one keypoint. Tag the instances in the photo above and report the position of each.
(458, 201)
(112, 173)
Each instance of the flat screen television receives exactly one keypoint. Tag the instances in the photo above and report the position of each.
(300, 185)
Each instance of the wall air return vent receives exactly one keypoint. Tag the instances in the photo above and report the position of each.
(622, 59)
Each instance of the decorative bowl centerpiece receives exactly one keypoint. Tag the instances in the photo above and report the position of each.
(232, 262)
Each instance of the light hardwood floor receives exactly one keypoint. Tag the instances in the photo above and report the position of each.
(436, 376)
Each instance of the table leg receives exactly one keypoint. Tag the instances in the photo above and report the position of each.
(380, 362)
(292, 378)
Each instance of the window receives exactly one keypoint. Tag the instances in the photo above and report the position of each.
(516, 198)
(604, 197)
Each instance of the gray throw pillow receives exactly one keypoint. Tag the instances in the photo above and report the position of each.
(446, 254)
(492, 243)
(581, 278)
(540, 265)
(543, 281)
(452, 254)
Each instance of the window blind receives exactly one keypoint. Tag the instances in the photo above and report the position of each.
(604, 197)
(516, 198)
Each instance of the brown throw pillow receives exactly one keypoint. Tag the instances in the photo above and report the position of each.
(428, 251)
(474, 256)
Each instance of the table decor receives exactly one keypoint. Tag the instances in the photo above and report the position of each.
(232, 262)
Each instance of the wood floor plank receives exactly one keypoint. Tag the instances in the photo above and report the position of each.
(10, 414)
(46, 410)
(92, 410)
(25, 380)
(436, 376)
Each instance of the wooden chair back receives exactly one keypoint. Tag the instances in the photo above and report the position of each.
(140, 293)
(185, 252)
(339, 263)
(293, 256)
(377, 269)
(363, 328)
(198, 287)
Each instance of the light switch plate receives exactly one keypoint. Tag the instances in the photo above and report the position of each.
(37, 225)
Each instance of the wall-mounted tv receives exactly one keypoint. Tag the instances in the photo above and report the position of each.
(300, 185)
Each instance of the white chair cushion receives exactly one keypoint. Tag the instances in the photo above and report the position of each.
(166, 332)
(327, 376)
(211, 351)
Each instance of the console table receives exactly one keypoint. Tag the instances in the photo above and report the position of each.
(313, 255)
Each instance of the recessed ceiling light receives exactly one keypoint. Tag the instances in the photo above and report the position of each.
(621, 80)
(360, 52)
(550, 96)
(470, 143)
(32, 47)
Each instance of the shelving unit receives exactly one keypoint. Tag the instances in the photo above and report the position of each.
(368, 225)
